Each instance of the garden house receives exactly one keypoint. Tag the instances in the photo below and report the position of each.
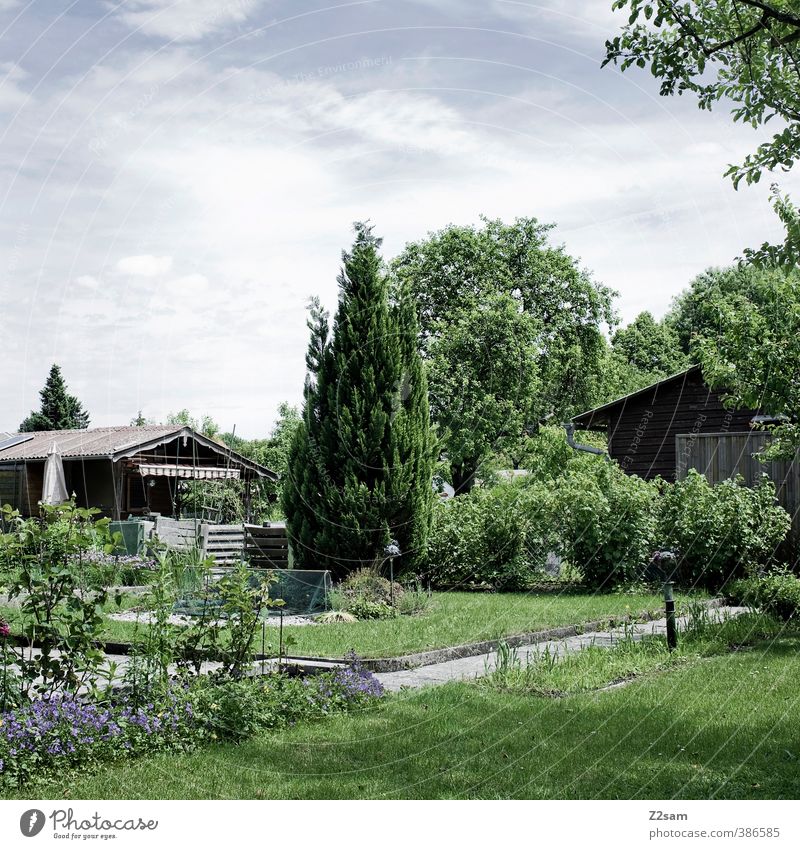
(122, 471)
(644, 429)
(679, 424)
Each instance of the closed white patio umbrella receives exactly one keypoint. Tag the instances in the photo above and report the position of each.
(54, 488)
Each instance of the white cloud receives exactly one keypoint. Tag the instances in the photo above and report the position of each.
(186, 20)
(87, 281)
(145, 265)
(12, 95)
(229, 191)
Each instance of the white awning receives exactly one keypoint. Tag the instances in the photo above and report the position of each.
(191, 472)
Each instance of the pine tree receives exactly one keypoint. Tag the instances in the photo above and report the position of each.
(355, 475)
(59, 410)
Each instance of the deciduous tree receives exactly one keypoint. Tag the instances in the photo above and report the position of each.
(511, 329)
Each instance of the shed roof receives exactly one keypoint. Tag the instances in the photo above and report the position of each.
(598, 414)
(115, 443)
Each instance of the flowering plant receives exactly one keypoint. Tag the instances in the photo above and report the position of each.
(235, 709)
(48, 736)
(65, 731)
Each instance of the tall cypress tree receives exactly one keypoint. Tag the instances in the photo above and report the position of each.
(303, 490)
(59, 410)
(354, 474)
(412, 441)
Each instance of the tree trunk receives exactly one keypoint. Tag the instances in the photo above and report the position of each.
(464, 477)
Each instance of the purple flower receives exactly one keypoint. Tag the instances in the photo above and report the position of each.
(5, 629)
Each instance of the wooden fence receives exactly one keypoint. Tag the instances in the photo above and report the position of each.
(183, 534)
(267, 547)
(264, 547)
(224, 542)
(720, 456)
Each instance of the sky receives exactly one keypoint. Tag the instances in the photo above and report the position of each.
(179, 177)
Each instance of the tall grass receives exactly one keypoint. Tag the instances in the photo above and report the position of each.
(549, 673)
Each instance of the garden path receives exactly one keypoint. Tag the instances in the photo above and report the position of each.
(467, 668)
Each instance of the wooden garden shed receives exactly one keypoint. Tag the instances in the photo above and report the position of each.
(679, 424)
(643, 427)
(121, 470)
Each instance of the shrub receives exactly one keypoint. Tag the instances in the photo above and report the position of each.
(776, 593)
(369, 584)
(363, 608)
(606, 521)
(61, 607)
(498, 536)
(366, 594)
(718, 531)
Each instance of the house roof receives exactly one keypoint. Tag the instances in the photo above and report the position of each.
(598, 414)
(113, 443)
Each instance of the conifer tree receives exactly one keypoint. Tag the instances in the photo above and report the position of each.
(59, 410)
(303, 490)
(412, 442)
(355, 473)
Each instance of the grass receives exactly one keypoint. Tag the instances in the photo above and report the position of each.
(721, 726)
(451, 619)
(113, 631)
(455, 618)
(596, 667)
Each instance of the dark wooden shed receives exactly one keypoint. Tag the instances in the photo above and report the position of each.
(643, 427)
(120, 470)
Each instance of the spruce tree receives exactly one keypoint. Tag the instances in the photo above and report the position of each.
(59, 410)
(355, 475)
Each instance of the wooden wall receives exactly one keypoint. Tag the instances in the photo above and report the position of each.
(642, 430)
(720, 456)
(21, 486)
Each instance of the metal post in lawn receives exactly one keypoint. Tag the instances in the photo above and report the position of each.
(669, 604)
(391, 551)
(263, 643)
(280, 639)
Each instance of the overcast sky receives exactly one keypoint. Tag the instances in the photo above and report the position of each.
(179, 177)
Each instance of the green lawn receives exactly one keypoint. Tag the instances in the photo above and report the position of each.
(459, 617)
(716, 727)
(451, 619)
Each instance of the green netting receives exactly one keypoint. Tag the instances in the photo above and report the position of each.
(304, 592)
(132, 536)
